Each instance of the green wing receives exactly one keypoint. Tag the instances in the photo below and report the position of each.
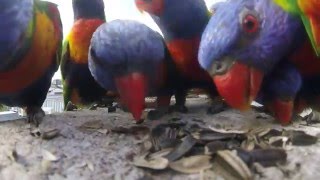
(65, 67)
(52, 11)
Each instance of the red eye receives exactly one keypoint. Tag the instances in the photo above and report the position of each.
(250, 24)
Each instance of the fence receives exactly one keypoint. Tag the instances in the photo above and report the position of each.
(53, 104)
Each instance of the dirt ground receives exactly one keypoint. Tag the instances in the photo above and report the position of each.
(95, 154)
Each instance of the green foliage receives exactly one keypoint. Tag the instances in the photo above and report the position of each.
(3, 108)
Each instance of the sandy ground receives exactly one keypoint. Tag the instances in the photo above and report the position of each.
(94, 154)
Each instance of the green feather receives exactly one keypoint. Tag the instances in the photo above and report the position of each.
(292, 6)
(307, 26)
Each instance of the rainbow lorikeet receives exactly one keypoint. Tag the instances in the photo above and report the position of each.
(130, 58)
(80, 88)
(30, 48)
(182, 24)
(309, 12)
(279, 91)
(245, 40)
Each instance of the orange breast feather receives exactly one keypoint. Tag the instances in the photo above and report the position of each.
(80, 37)
(185, 55)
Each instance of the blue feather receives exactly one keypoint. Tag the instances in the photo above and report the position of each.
(15, 17)
(183, 20)
(124, 46)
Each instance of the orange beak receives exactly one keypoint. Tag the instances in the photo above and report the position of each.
(282, 109)
(133, 89)
(239, 86)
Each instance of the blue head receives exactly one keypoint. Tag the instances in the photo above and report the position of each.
(243, 40)
(88, 9)
(279, 90)
(215, 6)
(176, 18)
(15, 15)
(126, 56)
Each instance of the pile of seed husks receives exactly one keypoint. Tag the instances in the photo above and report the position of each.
(191, 147)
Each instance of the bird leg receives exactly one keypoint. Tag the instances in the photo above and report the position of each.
(180, 102)
(163, 103)
(70, 107)
(34, 115)
(217, 105)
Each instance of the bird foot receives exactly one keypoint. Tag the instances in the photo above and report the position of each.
(34, 115)
(157, 113)
(260, 109)
(105, 102)
(70, 106)
(312, 118)
(217, 106)
(178, 108)
(93, 107)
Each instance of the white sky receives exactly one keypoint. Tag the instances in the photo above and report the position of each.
(114, 9)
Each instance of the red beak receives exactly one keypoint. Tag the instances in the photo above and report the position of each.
(132, 89)
(239, 86)
(282, 110)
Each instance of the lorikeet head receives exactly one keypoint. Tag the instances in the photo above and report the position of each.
(279, 90)
(127, 55)
(88, 9)
(15, 27)
(242, 42)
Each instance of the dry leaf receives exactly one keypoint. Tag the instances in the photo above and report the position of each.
(49, 156)
(155, 163)
(230, 166)
(300, 138)
(213, 136)
(161, 153)
(249, 143)
(279, 141)
(50, 134)
(92, 125)
(103, 131)
(266, 157)
(182, 149)
(214, 147)
(131, 130)
(209, 174)
(260, 131)
(90, 166)
(13, 155)
(227, 131)
(192, 164)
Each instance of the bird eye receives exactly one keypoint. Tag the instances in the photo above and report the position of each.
(250, 24)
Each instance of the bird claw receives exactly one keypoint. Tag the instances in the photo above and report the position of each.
(34, 115)
(157, 113)
(105, 102)
(93, 107)
(70, 106)
(178, 108)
